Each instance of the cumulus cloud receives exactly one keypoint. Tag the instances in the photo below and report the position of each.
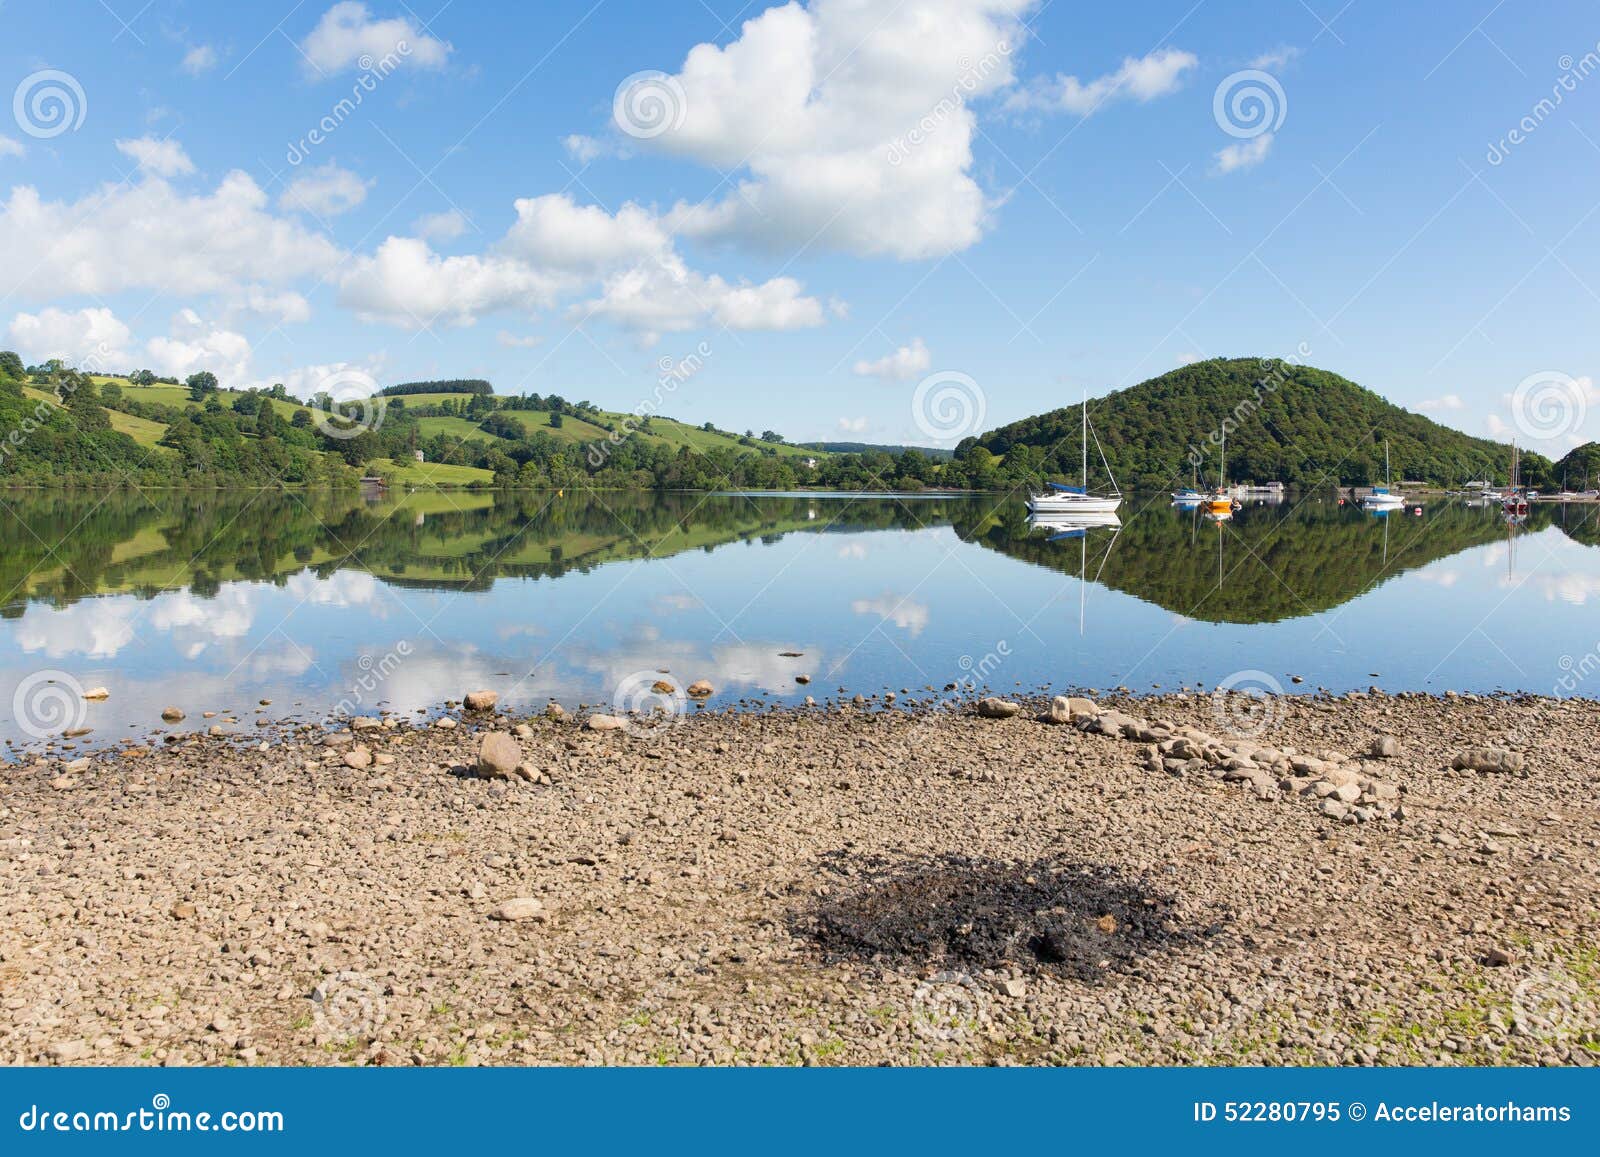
(406, 283)
(324, 191)
(149, 236)
(164, 158)
(347, 36)
(853, 425)
(905, 363)
(585, 149)
(1140, 79)
(663, 295)
(334, 377)
(196, 344)
(286, 306)
(202, 58)
(555, 232)
(1276, 59)
(10, 146)
(1244, 154)
(518, 341)
(75, 337)
(910, 617)
(1447, 402)
(854, 124)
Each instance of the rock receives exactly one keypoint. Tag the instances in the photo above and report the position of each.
(522, 731)
(97, 693)
(1497, 957)
(498, 756)
(555, 711)
(366, 723)
(802, 679)
(481, 700)
(1333, 808)
(182, 910)
(1015, 988)
(445, 723)
(1490, 759)
(358, 757)
(996, 708)
(332, 739)
(1384, 747)
(172, 714)
(1347, 793)
(606, 723)
(1070, 708)
(662, 687)
(518, 909)
(68, 1051)
(700, 689)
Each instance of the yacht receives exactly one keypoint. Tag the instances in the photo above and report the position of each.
(1070, 500)
(1382, 498)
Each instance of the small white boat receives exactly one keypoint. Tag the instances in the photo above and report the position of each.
(1381, 497)
(1061, 499)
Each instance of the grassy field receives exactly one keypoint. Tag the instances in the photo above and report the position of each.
(432, 473)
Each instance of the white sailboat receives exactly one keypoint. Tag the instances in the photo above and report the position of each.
(1381, 497)
(1076, 500)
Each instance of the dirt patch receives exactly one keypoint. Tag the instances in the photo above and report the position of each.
(1071, 919)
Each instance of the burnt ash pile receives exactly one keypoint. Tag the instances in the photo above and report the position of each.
(1079, 920)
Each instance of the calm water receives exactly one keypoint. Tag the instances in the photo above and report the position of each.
(214, 602)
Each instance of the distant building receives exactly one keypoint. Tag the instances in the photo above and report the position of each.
(419, 455)
(811, 463)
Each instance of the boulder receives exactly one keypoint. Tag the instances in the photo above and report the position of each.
(606, 723)
(481, 700)
(1384, 747)
(1490, 759)
(993, 707)
(518, 909)
(498, 756)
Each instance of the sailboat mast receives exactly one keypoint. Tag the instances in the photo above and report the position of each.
(1086, 441)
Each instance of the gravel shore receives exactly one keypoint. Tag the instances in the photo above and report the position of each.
(1366, 879)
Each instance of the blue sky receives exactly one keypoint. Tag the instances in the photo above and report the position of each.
(841, 199)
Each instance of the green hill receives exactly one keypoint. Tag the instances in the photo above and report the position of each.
(1284, 422)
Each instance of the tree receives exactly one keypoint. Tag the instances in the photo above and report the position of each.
(201, 384)
(556, 419)
(142, 378)
(771, 436)
(11, 365)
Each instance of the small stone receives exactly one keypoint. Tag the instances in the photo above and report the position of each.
(1015, 988)
(700, 689)
(172, 714)
(1490, 759)
(606, 723)
(334, 739)
(802, 679)
(182, 910)
(662, 687)
(481, 700)
(97, 693)
(519, 909)
(522, 731)
(67, 1051)
(358, 757)
(445, 723)
(1385, 747)
(1107, 923)
(498, 756)
(1497, 957)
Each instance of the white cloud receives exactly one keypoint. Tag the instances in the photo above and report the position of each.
(347, 36)
(585, 149)
(324, 191)
(854, 124)
(164, 158)
(1141, 79)
(10, 146)
(905, 363)
(407, 284)
(908, 616)
(1188, 359)
(93, 335)
(554, 232)
(1497, 427)
(1244, 154)
(148, 236)
(663, 295)
(1276, 59)
(517, 341)
(305, 381)
(287, 306)
(1447, 402)
(853, 425)
(196, 344)
(200, 59)
(445, 226)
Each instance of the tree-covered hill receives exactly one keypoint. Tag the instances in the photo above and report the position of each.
(1285, 422)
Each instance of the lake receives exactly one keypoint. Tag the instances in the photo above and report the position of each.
(329, 605)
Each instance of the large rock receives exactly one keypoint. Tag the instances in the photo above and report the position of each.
(481, 700)
(1490, 759)
(498, 756)
(1384, 747)
(1070, 708)
(994, 707)
(518, 909)
(700, 689)
(172, 714)
(606, 723)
